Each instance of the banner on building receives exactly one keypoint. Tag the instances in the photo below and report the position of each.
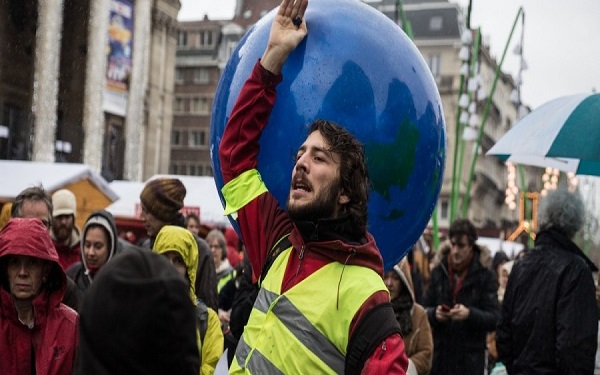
(119, 57)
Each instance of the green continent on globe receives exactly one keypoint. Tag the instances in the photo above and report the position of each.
(391, 164)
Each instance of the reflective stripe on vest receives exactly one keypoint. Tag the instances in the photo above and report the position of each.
(304, 330)
(225, 279)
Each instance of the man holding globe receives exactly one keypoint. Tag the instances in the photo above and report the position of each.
(322, 306)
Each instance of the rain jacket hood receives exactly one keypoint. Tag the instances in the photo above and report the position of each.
(30, 237)
(50, 345)
(181, 240)
(137, 319)
(105, 220)
(402, 269)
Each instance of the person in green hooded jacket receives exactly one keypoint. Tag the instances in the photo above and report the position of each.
(179, 246)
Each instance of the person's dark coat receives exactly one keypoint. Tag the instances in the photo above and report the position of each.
(549, 317)
(137, 319)
(459, 346)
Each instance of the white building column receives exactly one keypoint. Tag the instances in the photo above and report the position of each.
(135, 129)
(95, 78)
(45, 81)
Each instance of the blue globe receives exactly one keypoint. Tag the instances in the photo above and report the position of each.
(358, 69)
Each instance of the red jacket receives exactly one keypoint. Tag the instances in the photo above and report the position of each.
(68, 254)
(262, 222)
(54, 334)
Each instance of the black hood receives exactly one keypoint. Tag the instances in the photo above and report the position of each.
(137, 318)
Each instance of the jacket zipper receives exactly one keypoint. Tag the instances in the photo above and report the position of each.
(300, 256)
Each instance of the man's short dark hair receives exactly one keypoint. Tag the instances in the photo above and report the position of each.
(354, 176)
(461, 227)
(32, 194)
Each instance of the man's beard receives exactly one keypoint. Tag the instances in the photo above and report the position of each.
(62, 233)
(323, 207)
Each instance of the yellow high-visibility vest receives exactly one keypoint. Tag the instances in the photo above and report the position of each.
(304, 330)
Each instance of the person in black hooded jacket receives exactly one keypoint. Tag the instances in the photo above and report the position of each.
(137, 319)
(549, 318)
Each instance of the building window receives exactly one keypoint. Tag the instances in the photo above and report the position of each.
(196, 170)
(197, 138)
(179, 77)
(178, 105)
(206, 38)
(200, 106)
(208, 171)
(176, 138)
(182, 39)
(444, 209)
(230, 48)
(434, 64)
(201, 75)
(436, 23)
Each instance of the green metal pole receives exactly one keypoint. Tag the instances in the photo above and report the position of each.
(455, 186)
(486, 112)
(461, 152)
(457, 139)
(406, 26)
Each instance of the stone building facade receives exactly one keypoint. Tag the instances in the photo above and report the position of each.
(88, 81)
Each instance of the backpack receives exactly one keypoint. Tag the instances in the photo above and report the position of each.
(202, 319)
(202, 322)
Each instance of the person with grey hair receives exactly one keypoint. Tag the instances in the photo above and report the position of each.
(218, 248)
(549, 317)
(36, 202)
(32, 202)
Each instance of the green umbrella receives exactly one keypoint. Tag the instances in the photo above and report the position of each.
(563, 133)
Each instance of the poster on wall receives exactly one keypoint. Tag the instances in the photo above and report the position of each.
(119, 57)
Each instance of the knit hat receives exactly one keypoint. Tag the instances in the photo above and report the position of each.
(63, 203)
(163, 198)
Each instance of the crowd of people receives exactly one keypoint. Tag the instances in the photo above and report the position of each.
(475, 314)
(301, 291)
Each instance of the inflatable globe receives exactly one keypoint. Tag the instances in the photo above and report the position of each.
(356, 68)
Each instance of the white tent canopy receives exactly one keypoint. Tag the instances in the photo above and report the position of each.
(19, 175)
(201, 193)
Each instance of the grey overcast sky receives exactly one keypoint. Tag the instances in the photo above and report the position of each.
(561, 46)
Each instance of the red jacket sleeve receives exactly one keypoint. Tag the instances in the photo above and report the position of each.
(261, 221)
(389, 357)
(239, 147)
